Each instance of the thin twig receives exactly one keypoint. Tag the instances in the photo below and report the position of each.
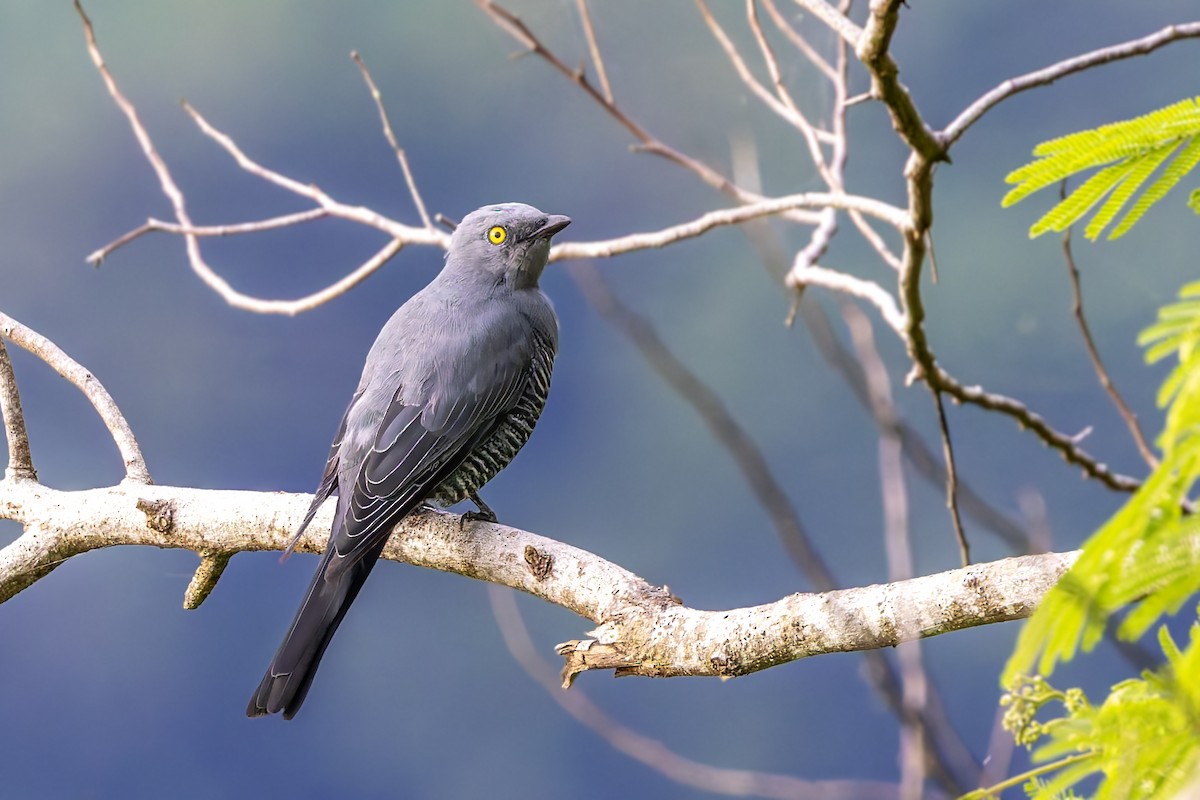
(391, 138)
(359, 214)
(1047, 75)
(799, 42)
(785, 110)
(647, 143)
(97, 395)
(769, 248)
(964, 547)
(152, 225)
(728, 216)
(20, 460)
(402, 234)
(918, 453)
(1131, 421)
(589, 33)
(1067, 446)
(781, 90)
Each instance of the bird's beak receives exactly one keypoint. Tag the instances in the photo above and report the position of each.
(554, 224)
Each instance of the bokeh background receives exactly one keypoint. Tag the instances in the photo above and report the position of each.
(109, 689)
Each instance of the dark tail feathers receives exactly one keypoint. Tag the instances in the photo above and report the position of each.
(287, 680)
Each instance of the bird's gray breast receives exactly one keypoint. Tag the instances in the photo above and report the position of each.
(509, 433)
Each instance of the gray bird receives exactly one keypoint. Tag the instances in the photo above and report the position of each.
(450, 392)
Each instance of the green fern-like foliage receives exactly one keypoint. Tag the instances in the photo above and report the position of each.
(1130, 152)
(1144, 739)
(1147, 556)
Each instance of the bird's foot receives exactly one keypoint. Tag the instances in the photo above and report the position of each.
(484, 514)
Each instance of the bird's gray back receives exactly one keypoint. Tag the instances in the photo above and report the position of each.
(456, 338)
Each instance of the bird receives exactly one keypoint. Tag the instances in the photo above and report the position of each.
(450, 391)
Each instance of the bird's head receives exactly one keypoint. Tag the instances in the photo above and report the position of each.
(508, 242)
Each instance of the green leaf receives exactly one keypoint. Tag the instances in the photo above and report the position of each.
(1127, 154)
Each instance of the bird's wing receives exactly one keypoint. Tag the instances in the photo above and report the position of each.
(328, 478)
(415, 449)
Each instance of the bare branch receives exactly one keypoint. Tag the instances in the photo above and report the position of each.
(845, 283)
(727, 216)
(152, 225)
(960, 536)
(788, 526)
(647, 143)
(799, 42)
(785, 109)
(97, 395)
(639, 624)
(838, 22)
(652, 752)
(872, 49)
(589, 33)
(401, 234)
(1067, 446)
(1131, 422)
(20, 461)
(391, 138)
(1061, 69)
(359, 214)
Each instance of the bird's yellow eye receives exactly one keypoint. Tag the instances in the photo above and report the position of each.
(497, 234)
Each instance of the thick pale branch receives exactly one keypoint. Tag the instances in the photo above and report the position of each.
(654, 753)
(642, 629)
(86, 382)
(876, 295)
(20, 462)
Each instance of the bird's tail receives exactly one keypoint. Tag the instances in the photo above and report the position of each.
(287, 680)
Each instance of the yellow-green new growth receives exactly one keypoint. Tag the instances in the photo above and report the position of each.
(1130, 152)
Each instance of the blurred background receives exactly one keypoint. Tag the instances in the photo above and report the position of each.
(108, 688)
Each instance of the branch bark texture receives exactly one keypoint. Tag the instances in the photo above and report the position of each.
(642, 629)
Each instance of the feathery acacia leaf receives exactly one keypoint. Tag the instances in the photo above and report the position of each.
(1129, 153)
(1144, 739)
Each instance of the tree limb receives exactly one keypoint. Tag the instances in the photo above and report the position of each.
(86, 382)
(642, 629)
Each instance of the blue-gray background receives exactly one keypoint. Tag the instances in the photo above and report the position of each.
(109, 689)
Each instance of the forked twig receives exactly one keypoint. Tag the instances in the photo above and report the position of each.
(82, 379)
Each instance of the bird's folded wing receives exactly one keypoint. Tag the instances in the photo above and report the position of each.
(411, 455)
(328, 478)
